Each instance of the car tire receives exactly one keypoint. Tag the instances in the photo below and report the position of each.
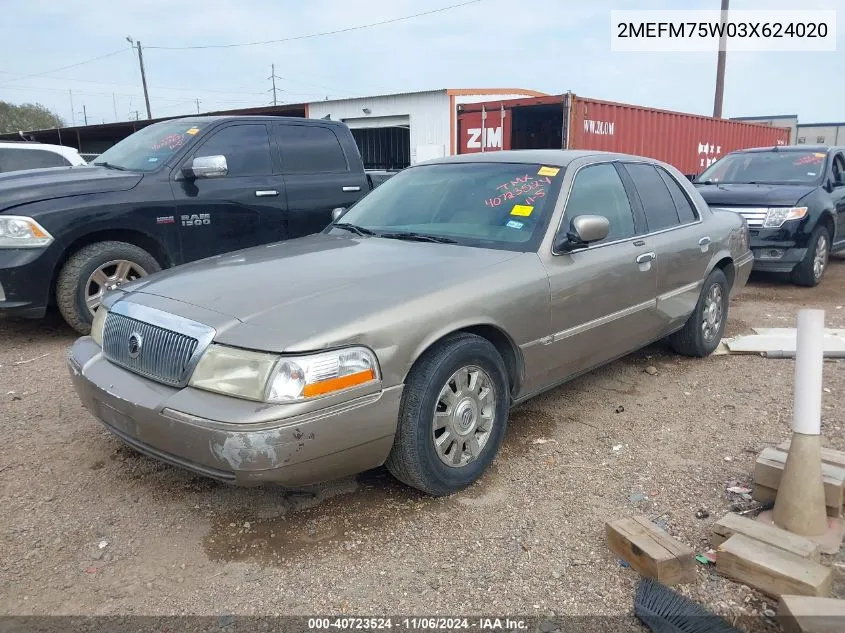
(469, 437)
(810, 270)
(114, 262)
(703, 331)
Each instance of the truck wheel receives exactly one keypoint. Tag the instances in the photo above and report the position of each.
(811, 269)
(453, 416)
(91, 272)
(703, 331)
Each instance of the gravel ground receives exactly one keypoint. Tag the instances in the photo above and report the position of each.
(89, 527)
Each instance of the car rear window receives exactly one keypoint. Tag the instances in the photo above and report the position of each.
(493, 205)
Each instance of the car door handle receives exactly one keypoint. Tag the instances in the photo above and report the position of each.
(646, 257)
(704, 241)
(352, 188)
(264, 193)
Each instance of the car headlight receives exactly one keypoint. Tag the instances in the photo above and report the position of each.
(98, 324)
(279, 379)
(775, 217)
(17, 231)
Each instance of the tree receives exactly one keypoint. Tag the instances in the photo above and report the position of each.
(27, 116)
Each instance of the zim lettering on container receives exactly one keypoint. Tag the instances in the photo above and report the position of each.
(197, 219)
(489, 137)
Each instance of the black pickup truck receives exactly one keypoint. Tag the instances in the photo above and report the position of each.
(793, 201)
(173, 192)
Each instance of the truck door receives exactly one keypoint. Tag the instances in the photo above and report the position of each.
(838, 196)
(678, 239)
(318, 176)
(223, 214)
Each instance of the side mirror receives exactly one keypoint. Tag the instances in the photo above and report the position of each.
(336, 213)
(583, 230)
(206, 167)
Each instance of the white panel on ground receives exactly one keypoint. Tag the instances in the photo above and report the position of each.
(781, 343)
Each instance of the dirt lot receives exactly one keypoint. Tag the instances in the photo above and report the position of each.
(89, 527)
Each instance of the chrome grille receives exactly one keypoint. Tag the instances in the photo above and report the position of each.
(164, 355)
(754, 217)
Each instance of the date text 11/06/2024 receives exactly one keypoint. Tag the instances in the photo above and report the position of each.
(417, 624)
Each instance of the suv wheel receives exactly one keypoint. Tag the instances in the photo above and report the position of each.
(811, 269)
(94, 270)
(453, 416)
(703, 331)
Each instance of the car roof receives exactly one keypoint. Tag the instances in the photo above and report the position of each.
(789, 148)
(556, 157)
(247, 117)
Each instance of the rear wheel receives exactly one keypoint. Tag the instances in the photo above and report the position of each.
(94, 270)
(811, 269)
(453, 416)
(703, 331)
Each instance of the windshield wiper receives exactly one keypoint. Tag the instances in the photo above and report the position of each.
(353, 228)
(418, 237)
(108, 165)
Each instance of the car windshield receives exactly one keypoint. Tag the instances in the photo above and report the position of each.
(773, 167)
(149, 148)
(491, 205)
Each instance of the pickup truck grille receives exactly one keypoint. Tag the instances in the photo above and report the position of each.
(754, 217)
(152, 351)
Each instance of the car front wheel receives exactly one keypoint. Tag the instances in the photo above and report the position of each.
(453, 416)
(811, 269)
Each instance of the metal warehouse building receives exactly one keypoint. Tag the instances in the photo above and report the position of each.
(803, 133)
(392, 131)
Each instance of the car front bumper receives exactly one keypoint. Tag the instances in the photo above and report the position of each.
(319, 446)
(25, 278)
(776, 257)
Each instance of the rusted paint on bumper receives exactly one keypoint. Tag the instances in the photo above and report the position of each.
(337, 441)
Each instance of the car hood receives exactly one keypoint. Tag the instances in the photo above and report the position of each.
(273, 296)
(35, 185)
(753, 195)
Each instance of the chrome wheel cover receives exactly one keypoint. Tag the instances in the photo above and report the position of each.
(108, 277)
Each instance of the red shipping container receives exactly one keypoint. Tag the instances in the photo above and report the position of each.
(690, 142)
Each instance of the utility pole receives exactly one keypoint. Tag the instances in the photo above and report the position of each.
(720, 64)
(198, 106)
(273, 78)
(143, 74)
(114, 105)
(72, 109)
(84, 114)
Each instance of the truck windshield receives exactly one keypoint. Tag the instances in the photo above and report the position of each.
(149, 148)
(503, 206)
(774, 167)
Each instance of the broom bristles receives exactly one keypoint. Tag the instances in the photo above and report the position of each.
(666, 611)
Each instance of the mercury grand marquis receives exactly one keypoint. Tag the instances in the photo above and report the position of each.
(403, 333)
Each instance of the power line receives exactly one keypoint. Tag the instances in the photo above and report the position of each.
(312, 35)
(55, 70)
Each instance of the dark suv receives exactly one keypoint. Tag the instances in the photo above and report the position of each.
(793, 200)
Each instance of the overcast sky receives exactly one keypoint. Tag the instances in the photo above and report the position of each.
(547, 45)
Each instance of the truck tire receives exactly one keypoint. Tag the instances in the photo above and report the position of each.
(811, 269)
(91, 271)
(441, 448)
(703, 331)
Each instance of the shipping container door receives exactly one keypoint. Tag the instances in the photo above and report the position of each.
(485, 131)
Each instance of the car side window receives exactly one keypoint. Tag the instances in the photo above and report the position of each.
(310, 149)
(686, 211)
(839, 168)
(246, 148)
(15, 159)
(598, 190)
(660, 211)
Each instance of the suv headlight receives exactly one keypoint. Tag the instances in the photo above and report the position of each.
(279, 379)
(98, 324)
(17, 231)
(775, 217)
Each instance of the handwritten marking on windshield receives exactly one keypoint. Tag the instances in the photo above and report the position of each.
(520, 186)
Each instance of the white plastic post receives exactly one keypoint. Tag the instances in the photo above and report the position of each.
(800, 503)
(809, 363)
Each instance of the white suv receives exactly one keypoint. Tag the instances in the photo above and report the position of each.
(17, 155)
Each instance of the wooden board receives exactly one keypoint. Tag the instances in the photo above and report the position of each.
(771, 570)
(829, 455)
(768, 470)
(731, 524)
(803, 614)
(651, 551)
(764, 494)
